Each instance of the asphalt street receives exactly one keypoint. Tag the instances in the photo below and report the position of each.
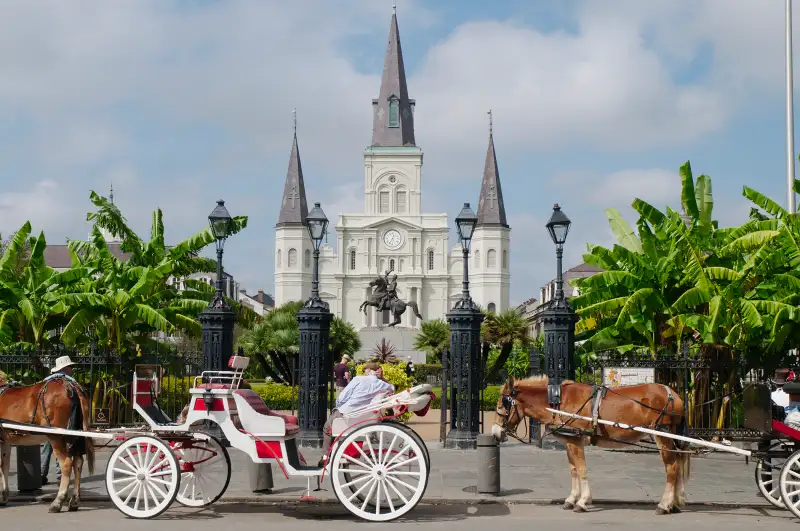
(234, 517)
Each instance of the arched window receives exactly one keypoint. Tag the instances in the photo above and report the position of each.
(278, 260)
(383, 197)
(400, 266)
(391, 264)
(400, 203)
(491, 259)
(477, 258)
(505, 259)
(307, 258)
(430, 259)
(352, 259)
(394, 113)
(491, 307)
(292, 257)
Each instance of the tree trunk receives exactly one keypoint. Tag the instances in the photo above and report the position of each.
(505, 352)
(268, 368)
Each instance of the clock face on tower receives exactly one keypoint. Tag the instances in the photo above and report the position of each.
(392, 239)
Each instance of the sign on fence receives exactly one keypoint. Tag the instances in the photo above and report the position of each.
(102, 416)
(619, 376)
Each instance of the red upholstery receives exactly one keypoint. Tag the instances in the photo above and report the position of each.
(255, 401)
(143, 396)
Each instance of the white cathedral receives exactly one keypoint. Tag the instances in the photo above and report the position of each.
(392, 233)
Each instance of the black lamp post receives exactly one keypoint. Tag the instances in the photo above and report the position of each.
(558, 319)
(218, 318)
(465, 328)
(314, 321)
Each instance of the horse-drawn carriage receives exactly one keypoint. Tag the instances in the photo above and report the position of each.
(606, 417)
(378, 467)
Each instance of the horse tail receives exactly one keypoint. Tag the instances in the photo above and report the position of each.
(88, 441)
(413, 306)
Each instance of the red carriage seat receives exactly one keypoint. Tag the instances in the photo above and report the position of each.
(145, 397)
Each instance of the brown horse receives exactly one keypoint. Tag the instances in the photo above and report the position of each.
(652, 406)
(49, 404)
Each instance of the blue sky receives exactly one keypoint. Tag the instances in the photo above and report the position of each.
(181, 103)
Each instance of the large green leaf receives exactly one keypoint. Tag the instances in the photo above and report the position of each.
(770, 206)
(688, 198)
(622, 231)
(15, 246)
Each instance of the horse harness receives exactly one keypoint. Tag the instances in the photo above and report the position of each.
(71, 386)
(599, 392)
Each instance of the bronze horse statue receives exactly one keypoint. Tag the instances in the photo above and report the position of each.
(383, 290)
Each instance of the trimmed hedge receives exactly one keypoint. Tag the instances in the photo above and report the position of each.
(423, 370)
(277, 396)
(490, 397)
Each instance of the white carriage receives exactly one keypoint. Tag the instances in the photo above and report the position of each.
(378, 468)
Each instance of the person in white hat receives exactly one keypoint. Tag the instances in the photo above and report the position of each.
(63, 366)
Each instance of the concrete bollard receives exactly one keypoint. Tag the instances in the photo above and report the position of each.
(260, 477)
(488, 465)
(29, 468)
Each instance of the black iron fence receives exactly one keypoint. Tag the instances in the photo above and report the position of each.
(107, 376)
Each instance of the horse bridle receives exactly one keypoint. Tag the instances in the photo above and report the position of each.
(510, 405)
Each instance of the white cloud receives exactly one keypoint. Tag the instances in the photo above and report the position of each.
(89, 75)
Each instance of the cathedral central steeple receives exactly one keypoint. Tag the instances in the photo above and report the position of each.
(393, 111)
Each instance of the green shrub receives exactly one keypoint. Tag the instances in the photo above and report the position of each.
(423, 370)
(490, 397)
(276, 395)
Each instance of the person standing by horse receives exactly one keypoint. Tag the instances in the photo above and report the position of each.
(63, 367)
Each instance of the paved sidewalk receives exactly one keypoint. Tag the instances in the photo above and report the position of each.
(528, 475)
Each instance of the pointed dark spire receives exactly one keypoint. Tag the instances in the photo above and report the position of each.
(111, 194)
(294, 207)
(491, 208)
(393, 111)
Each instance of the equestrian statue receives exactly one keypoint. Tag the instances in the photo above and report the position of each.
(384, 297)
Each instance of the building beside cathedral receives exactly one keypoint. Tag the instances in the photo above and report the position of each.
(392, 233)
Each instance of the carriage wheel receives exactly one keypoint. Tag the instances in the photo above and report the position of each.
(387, 467)
(354, 485)
(790, 483)
(768, 472)
(205, 471)
(143, 477)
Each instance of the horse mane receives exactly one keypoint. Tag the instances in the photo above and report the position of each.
(535, 382)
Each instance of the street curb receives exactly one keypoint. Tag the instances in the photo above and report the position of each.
(275, 500)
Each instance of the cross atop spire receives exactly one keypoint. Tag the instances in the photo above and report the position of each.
(294, 207)
(394, 8)
(393, 111)
(491, 208)
(111, 194)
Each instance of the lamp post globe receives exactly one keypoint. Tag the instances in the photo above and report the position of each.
(466, 371)
(314, 364)
(558, 319)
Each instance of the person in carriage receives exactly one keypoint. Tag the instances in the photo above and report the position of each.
(359, 392)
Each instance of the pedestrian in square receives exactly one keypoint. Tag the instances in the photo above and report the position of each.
(341, 373)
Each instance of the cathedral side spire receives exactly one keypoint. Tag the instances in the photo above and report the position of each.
(491, 208)
(393, 111)
(294, 207)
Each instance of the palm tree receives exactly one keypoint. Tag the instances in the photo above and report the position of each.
(433, 339)
(506, 330)
(28, 290)
(275, 341)
(120, 298)
(343, 339)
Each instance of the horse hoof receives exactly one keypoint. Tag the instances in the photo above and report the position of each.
(55, 509)
(675, 510)
(73, 508)
(580, 508)
(660, 511)
(568, 506)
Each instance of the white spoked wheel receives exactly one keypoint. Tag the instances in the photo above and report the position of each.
(379, 472)
(142, 477)
(768, 472)
(790, 483)
(205, 471)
